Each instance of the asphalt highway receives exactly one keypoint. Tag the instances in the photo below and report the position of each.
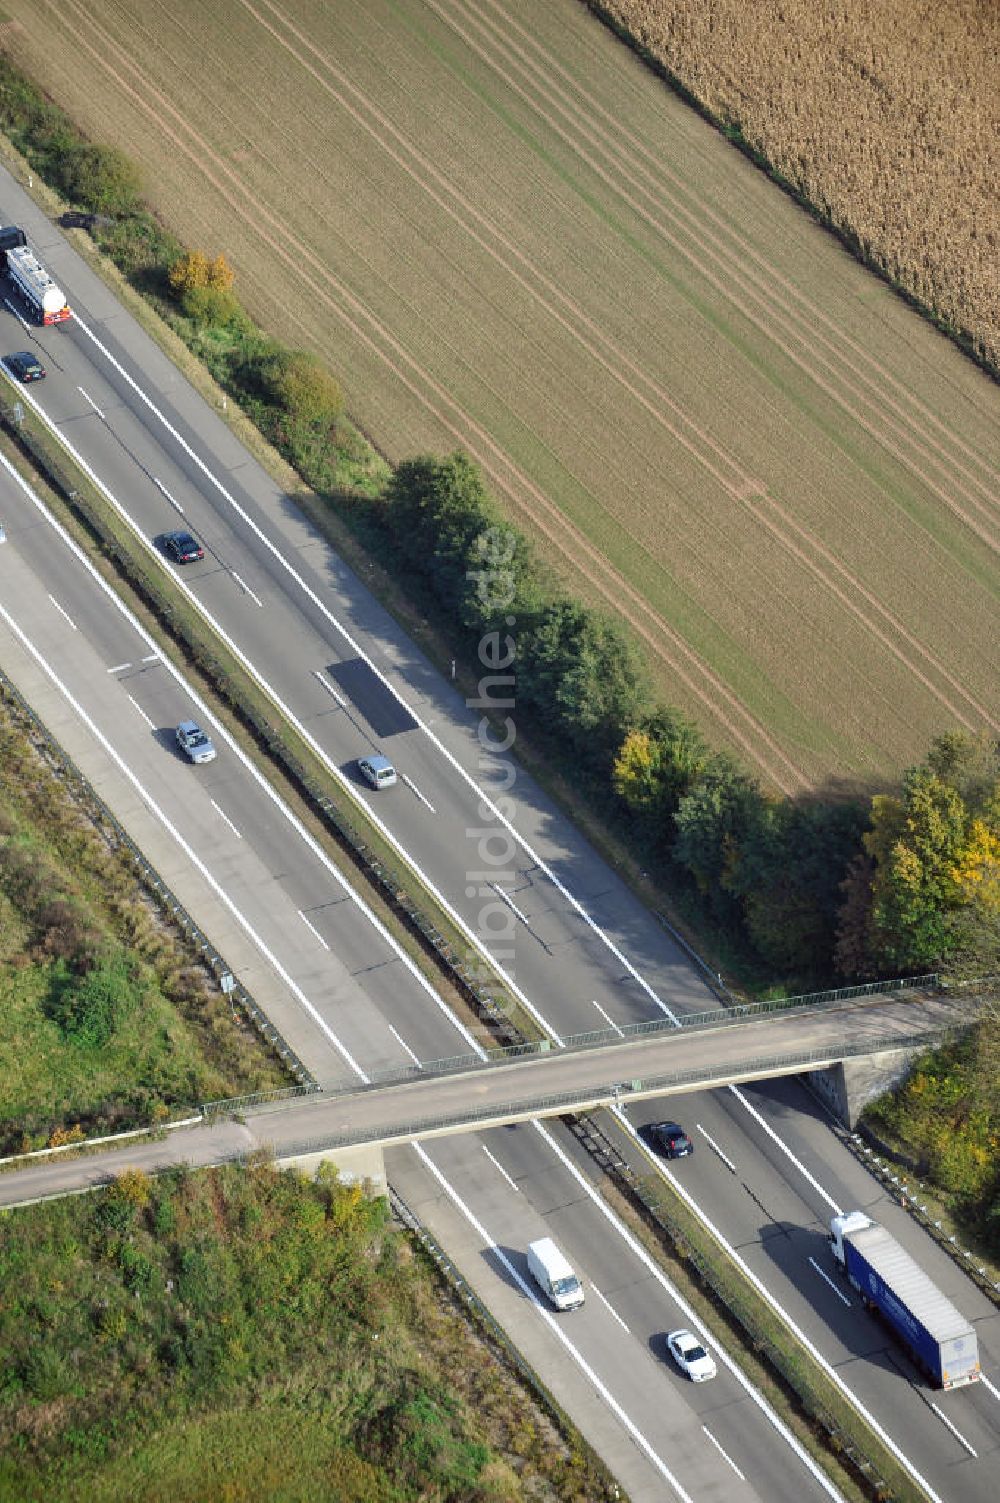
(583, 950)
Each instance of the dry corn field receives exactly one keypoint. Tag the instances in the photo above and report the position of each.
(505, 233)
(885, 114)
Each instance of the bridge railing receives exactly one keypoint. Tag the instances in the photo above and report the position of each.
(596, 1038)
(759, 1067)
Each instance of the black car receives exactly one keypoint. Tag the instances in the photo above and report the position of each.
(25, 366)
(181, 547)
(670, 1138)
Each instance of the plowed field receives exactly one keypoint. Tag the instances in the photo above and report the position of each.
(504, 233)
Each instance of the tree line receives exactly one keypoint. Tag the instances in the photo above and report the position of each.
(905, 882)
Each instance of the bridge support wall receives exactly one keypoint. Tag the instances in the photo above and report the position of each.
(847, 1088)
(363, 1165)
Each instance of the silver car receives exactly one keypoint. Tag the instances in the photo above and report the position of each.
(378, 771)
(194, 743)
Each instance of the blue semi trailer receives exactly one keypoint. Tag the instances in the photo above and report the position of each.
(941, 1342)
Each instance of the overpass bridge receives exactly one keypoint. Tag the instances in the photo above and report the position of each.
(305, 1125)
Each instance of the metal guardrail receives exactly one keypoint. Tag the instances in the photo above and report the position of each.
(556, 1104)
(596, 1038)
(158, 889)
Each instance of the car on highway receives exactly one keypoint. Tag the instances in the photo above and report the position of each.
(194, 743)
(691, 1357)
(670, 1139)
(25, 366)
(181, 546)
(378, 771)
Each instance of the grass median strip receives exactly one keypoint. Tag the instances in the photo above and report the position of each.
(425, 930)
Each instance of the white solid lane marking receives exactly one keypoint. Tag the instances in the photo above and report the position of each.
(957, 1433)
(313, 928)
(554, 1326)
(119, 667)
(356, 647)
(188, 850)
(250, 767)
(610, 1307)
(610, 1021)
(755, 1114)
(175, 504)
(497, 1165)
(770, 1300)
(505, 897)
(724, 1454)
(824, 1275)
(67, 617)
(715, 1148)
(223, 815)
(689, 1315)
(246, 589)
(985, 1382)
(414, 789)
(400, 1040)
(93, 404)
(318, 673)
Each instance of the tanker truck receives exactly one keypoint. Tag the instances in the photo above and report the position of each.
(892, 1286)
(46, 301)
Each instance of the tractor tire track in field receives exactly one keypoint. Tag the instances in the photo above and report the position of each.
(739, 723)
(646, 174)
(741, 488)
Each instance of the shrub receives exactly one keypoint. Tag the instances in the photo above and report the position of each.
(99, 178)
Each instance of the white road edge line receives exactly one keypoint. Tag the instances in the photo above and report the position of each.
(755, 1114)
(17, 314)
(609, 1020)
(414, 789)
(724, 1454)
(312, 927)
(258, 777)
(957, 1433)
(293, 719)
(824, 1275)
(188, 850)
(400, 1040)
(690, 1316)
(357, 648)
(610, 1308)
(773, 1304)
(141, 711)
(223, 815)
(554, 1326)
(715, 1148)
(67, 617)
(500, 1168)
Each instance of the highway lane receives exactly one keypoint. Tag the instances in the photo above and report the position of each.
(489, 1195)
(562, 964)
(305, 941)
(771, 1197)
(578, 980)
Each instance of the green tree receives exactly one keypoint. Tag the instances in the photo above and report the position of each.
(656, 765)
(99, 178)
(584, 675)
(712, 823)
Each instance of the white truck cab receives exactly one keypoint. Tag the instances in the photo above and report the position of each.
(553, 1275)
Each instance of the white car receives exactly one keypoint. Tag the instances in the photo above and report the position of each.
(378, 771)
(691, 1357)
(194, 743)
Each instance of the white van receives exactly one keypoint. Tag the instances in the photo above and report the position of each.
(553, 1275)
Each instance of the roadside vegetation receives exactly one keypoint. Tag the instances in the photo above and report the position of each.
(910, 186)
(243, 1333)
(109, 1021)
